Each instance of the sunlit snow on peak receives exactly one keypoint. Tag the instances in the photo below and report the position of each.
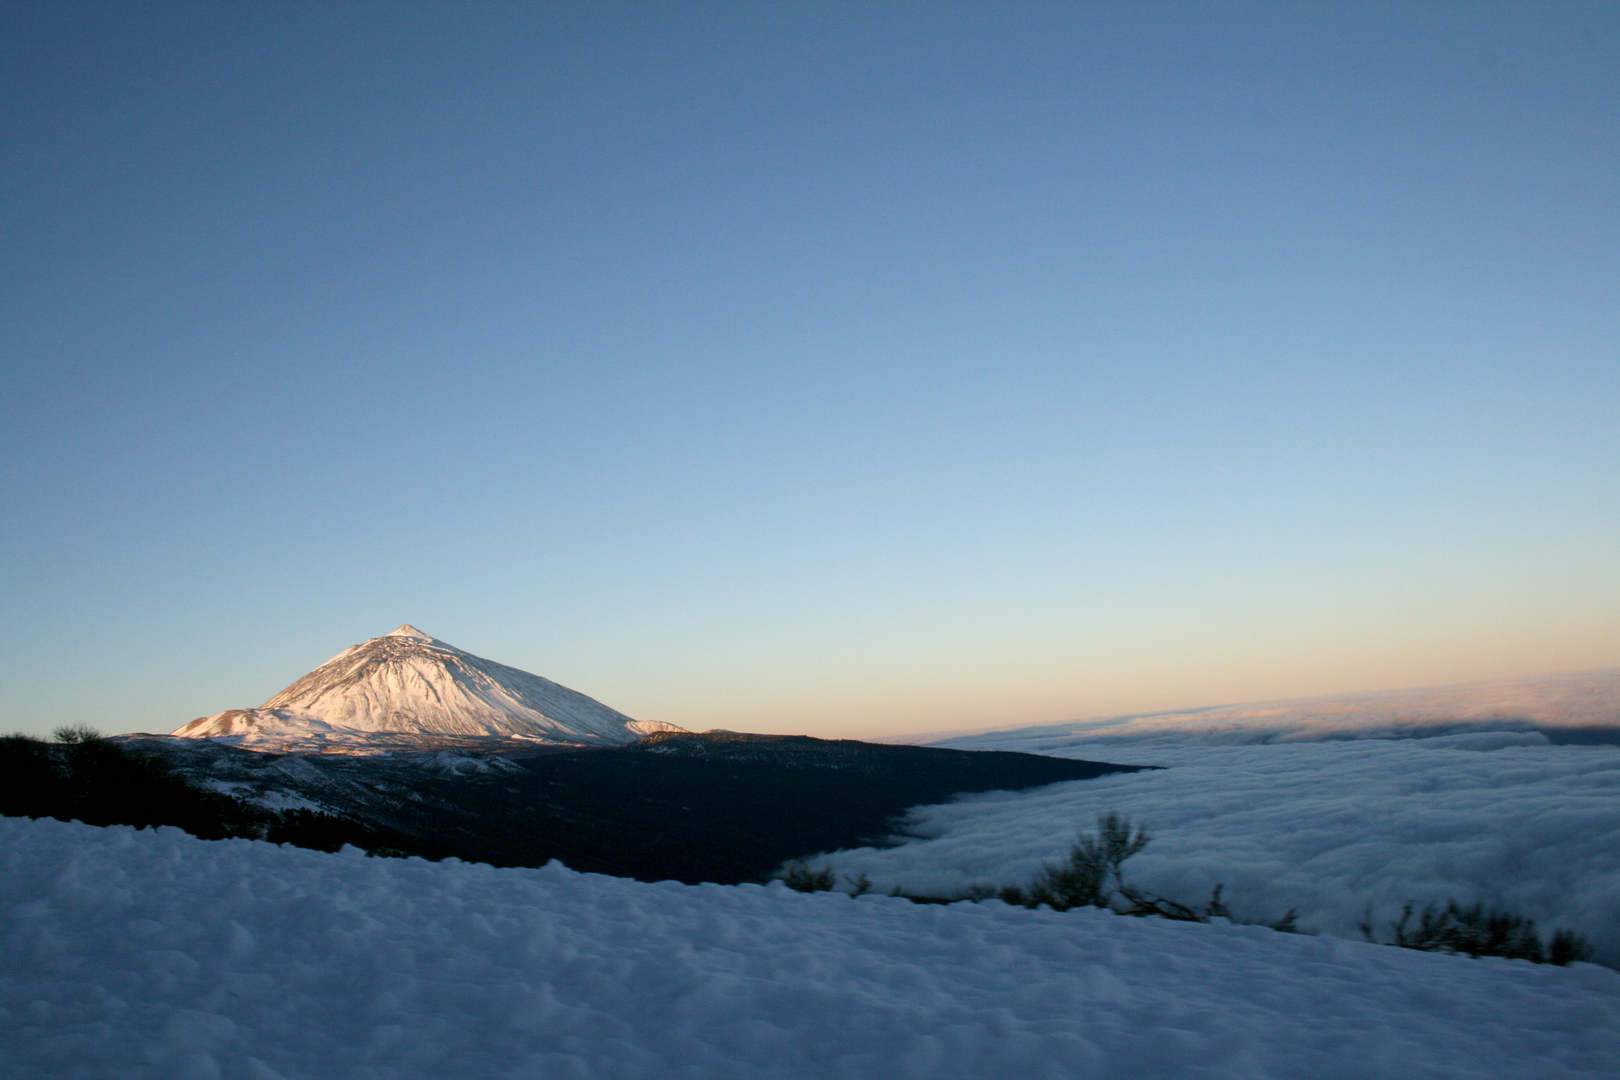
(407, 685)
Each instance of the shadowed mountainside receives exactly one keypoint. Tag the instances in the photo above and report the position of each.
(717, 807)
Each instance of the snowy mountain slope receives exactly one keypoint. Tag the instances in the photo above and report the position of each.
(408, 689)
(305, 964)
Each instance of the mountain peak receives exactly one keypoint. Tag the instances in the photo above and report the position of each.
(406, 685)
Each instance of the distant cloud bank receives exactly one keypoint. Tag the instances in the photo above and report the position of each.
(1306, 807)
(1581, 701)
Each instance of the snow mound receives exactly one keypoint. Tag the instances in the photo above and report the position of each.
(407, 683)
(306, 964)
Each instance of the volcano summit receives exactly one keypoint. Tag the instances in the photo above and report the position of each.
(408, 690)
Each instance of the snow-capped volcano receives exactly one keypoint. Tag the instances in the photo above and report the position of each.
(408, 688)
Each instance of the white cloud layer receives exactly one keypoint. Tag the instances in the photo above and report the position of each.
(1329, 827)
(1579, 701)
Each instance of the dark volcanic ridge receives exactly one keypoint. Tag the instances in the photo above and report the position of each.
(720, 807)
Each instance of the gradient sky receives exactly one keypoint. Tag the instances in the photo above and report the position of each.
(849, 369)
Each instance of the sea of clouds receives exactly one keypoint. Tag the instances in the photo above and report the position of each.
(1341, 829)
(1574, 704)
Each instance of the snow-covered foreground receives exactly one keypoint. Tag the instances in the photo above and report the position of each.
(127, 953)
(1331, 828)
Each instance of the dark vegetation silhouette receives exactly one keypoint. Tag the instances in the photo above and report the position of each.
(1092, 875)
(1477, 930)
(800, 877)
(80, 776)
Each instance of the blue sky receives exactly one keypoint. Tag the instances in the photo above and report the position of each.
(850, 369)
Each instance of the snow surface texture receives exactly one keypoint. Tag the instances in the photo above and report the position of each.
(152, 954)
(411, 687)
(1327, 827)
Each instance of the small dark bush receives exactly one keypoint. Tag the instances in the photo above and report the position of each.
(1568, 947)
(76, 735)
(1477, 930)
(1092, 872)
(1288, 923)
(1093, 875)
(801, 877)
